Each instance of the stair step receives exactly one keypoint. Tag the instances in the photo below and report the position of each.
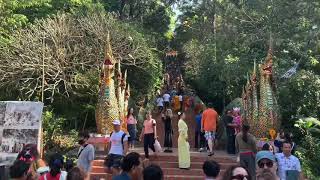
(166, 164)
(100, 176)
(172, 158)
(182, 177)
(169, 173)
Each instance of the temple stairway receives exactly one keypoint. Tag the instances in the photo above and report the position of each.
(169, 164)
(169, 161)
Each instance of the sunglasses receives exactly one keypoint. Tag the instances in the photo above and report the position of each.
(240, 177)
(268, 164)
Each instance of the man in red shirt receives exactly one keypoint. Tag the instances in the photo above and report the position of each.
(209, 123)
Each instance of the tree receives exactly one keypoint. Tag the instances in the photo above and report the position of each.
(70, 48)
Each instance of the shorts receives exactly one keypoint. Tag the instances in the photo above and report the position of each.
(210, 135)
(113, 160)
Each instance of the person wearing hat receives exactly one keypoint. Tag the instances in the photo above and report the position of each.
(266, 160)
(117, 148)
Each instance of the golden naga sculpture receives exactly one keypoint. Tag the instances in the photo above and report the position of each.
(262, 113)
(110, 104)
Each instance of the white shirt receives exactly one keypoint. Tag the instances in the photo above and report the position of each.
(180, 98)
(160, 101)
(116, 144)
(86, 155)
(287, 163)
(166, 97)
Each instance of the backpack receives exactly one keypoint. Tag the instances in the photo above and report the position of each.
(122, 138)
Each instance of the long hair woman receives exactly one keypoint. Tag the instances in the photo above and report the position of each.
(131, 127)
(149, 134)
(183, 144)
(167, 120)
(56, 163)
(30, 154)
(246, 147)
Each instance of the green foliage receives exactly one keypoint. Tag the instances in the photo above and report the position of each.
(300, 96)
(15, 14)
(55, 139)
(308, 153)
(71, 47)
(221, 39)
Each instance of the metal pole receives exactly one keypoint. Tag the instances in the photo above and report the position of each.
(43, 80)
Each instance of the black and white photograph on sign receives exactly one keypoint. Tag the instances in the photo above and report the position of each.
(2, 113)
(14, 139)
(22, 115)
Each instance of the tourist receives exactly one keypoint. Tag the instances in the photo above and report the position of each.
(237, 173)
(159, 102)
(166, 99)
(279, 140)
(181, 101)
(77, 173)
(268, 147)
(149, 134)
(173, 92)
(130, 167)
(266, 174)
(230, 130)
(183, 145)
(30, 154)
(246, 147)
(153, 172)
(288, 165)
(176, 103)
(289, 138)
(209, 126)
(19, 170)
(131, 127)
(117, 148)
(211, 169)
(167, 80)
(167, 119)
(266, 160)
(55, 164)
(85, 153)
(236, 120)
(199, 140)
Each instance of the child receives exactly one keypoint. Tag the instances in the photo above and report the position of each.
(236, 120)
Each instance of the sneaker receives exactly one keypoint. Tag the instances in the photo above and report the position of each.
(211, 153)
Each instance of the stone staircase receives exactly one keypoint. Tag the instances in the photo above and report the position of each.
(169, 164)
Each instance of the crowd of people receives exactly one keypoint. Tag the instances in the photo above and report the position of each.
(274, 160)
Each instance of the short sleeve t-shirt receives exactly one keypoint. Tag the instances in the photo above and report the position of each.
(287, 163)
(60, 176)
(85, 157)
(209, 120)
(148, 126)
(198, 121)
(131, 120)
(122, 176)
(116, 144)
(160, 101)
(166, 97)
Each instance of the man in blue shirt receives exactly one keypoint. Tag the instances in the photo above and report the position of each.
(199, 136)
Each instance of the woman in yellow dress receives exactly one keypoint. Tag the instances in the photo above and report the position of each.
(183, 145)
